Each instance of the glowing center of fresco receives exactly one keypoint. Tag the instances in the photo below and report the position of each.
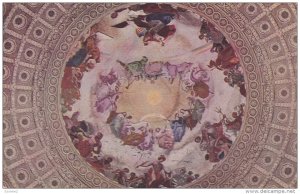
(154, 97)
(159, 101)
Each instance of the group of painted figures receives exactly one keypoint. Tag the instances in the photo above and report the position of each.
(226, 61)
(152, 21)
(87, 140)
(153, 24)
(141, 134)
(84, 60)
(214, 138)
(217, 138)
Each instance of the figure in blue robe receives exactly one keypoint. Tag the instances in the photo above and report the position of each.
(79, 57)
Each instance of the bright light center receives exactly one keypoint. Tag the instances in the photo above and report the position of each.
(146, 100)
(154, 97)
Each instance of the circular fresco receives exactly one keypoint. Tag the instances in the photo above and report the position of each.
(109, 95)
(153, 95)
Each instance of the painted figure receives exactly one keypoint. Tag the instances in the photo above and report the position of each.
(178, 127)
(194, 113)
(210, 33)
(165, 138)
(226, 59)
(154, 69)
(156, 175)
(173, 70)
(134, 70)
(152, 21)
(121, 176)
(234, 77)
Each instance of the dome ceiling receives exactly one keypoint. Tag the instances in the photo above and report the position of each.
(149, 95)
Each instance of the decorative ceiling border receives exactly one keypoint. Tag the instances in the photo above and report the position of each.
(269, 129)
